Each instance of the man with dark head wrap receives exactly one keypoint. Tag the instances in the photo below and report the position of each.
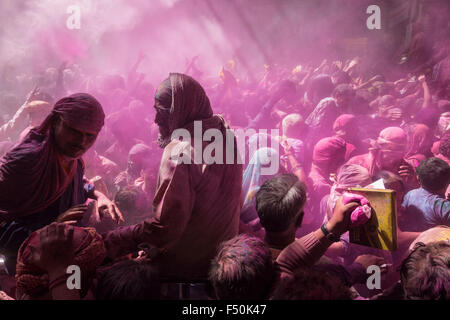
(41, 178)
(179, 101)
(196, 205)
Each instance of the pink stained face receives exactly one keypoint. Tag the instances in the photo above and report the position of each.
(71, 142)
(162, 119)
(390, 160)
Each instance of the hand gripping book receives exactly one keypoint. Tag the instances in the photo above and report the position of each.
(381, 230)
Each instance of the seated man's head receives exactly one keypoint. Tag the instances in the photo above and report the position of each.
(133, 203)
(340, 77)
(312, 284)
(280, 202)
(76, 121)
(434, 175)
(293, 126)
(319, 87)
(139, 155)
(242, 270)
(391, 143)
(129, 280)
(344, 95)
(180, 100)
(425, 273)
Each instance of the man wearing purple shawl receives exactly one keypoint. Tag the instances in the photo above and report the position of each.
(41, 178)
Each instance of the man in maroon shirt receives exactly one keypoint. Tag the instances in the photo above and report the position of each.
(196, 205)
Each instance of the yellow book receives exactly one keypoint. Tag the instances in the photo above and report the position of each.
(381, 230)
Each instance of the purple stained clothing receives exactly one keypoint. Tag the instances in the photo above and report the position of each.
(195, 209)
(34, 186)
(369, 161)
(31, 174)
(424, 210)
(13, 233)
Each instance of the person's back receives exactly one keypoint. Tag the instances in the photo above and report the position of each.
(425, 210)
(211, 194)
(426, 206)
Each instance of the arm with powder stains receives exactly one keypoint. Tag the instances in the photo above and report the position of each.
(297, 167)
(426, 93)
(19, 120)
(307, 250)
(173, 205)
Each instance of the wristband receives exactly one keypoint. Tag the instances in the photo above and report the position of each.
(329, 235)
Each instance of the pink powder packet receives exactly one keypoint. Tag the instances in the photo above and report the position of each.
(362, 213)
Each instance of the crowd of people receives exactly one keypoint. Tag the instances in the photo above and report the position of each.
(88, 179)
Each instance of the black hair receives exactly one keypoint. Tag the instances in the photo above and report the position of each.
(341, 77)
(279, 200)
(343, 90)
(128, 200)
(321, 85)
(129, 280)
(433, 174)
(243, 269)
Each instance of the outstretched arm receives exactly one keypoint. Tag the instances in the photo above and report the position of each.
(19, 120)
(426, 93)
(307, 250)
(173, 205)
